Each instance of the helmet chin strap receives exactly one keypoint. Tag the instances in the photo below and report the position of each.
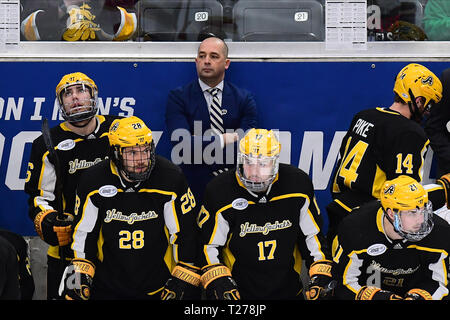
(416, 115)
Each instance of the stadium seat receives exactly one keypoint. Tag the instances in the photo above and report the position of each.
(179, 20)
(416, 8)
(278, 20)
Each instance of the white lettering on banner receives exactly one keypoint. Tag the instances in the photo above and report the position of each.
(312, 152)
(2, 146)
(311, 155)
(11, 107)
(37, 108)
(13, 180)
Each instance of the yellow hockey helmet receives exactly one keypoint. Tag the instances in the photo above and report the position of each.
(404, 195)
(76, 113)
(130, 132)
(259, 148)
(414, 81)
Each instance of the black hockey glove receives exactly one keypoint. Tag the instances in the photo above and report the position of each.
(321, 285)
(53, 230)
(184, 283)
(374, 293)
(418, 294)
(76, 281)
(445, 182)
(218, 284)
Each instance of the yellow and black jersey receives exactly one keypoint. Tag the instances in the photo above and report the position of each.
(75, 153)
(134, 234)
(263, 238)
(380, 145)
(365, 256)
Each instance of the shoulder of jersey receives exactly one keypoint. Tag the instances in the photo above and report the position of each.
(291, 175)
(227, 178)
(359, 223)
(96, 175)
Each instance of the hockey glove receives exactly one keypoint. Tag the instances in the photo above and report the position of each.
(418, 294)
(374, 293)
(217, 281)
(76, 281)
(321, 283)
(445, 182)
(51, 229)
(184, 283)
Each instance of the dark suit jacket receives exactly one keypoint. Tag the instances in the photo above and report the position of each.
(436, 127)
(186, 105)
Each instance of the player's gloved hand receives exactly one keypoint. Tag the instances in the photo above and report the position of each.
(321, 283)
(217, 281)
(53, 230)
(445, 182)
(418, 294)
(184, 283)
(76, 281)
(374, 293)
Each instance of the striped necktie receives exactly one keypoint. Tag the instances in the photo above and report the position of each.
(215, 112)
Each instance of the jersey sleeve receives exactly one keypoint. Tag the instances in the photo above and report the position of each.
(347, 266)
(41, 180)
(214, 229)
(179, 217)
(312, 244)
(87, 222)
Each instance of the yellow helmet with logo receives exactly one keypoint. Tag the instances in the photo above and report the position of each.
(126, 133)
(404, 195)
(414, 81)
(258, 149)
(86, 108)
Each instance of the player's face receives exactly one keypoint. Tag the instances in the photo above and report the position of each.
(257, 170)
(136, 159)
(76, 98)
(412, 220)
(211, 61)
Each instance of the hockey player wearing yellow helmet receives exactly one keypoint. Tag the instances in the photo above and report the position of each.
(134, 231)
(258, 224)
(383, 143)
(80, 142)
(393, 249)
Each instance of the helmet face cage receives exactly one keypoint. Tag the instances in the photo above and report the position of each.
(424, 213)
(264, 172)
(131, 164)
(87, 108)
(258, 159)
(124, 135)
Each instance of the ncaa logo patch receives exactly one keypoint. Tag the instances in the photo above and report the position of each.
(107, 191)
(67, 144)
(376, 249)
(239, 204)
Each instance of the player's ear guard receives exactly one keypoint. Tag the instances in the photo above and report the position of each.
(218, 283)
(184, 283)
